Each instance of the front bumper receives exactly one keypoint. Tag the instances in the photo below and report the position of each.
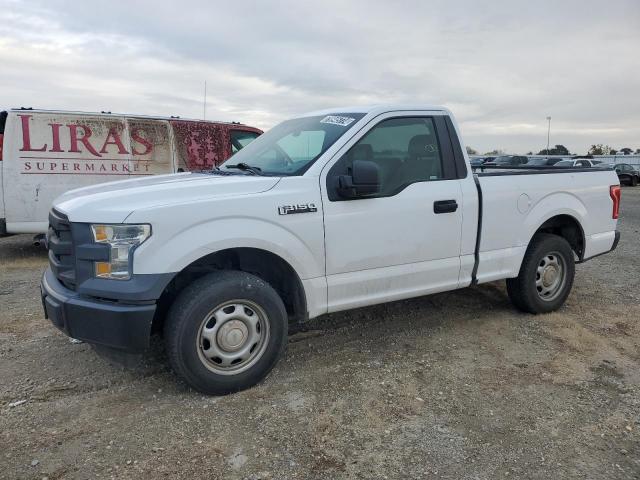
(126, 327)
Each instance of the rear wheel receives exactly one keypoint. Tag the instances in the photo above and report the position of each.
(634, 181)
(225, 332)
(546, 275)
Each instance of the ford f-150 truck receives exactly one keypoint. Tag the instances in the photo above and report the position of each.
(329, 211)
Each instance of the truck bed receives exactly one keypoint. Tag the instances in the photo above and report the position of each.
(515, 201)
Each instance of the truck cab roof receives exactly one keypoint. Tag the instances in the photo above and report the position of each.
(377, 109)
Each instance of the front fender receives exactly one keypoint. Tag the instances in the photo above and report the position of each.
(172, 253)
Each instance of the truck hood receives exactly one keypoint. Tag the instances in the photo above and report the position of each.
(113, 202)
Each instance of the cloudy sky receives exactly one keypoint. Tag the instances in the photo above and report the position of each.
(501, 66)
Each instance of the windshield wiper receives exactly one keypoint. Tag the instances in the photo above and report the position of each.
(218, 171)
(246, 168)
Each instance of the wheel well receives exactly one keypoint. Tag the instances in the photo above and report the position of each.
(568, 228)
(266, 265)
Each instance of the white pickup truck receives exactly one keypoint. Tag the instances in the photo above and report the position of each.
(329, 211)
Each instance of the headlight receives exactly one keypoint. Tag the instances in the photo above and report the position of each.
(123, 239)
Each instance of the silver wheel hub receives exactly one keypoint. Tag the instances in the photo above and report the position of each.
(550, 276)
(233, 337)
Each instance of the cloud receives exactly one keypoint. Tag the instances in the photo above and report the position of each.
(502, 67)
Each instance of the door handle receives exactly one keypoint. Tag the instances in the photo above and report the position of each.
(445, 206)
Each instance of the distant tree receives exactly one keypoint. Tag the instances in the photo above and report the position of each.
(637, 151)
(613, 151)
(557, 150)
(471, 151)
(595, 149)
(497, 151)
(626, 151)
(600, 149)
(529, 153)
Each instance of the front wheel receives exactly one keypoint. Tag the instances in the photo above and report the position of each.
(546, 275)
(634, 181)
(225, 332)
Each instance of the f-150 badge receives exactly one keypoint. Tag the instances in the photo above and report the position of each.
(299, 208)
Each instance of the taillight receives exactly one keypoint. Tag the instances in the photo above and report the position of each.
(1, 138)
(615, 192)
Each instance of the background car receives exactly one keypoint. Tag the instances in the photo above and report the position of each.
(476, 162)
(508, 161)
(579, 163)
(628, 174)
(543, 162)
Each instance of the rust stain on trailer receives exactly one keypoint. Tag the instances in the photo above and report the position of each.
(201, 145)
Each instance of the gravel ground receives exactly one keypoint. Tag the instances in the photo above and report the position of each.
(456, 385)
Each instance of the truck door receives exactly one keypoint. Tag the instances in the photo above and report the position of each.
(403, 241)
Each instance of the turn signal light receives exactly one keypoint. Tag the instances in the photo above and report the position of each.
(101, 233)
(103, 269)
(615, 193)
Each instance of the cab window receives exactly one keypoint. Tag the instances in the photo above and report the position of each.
(406, 151)
(240, 139)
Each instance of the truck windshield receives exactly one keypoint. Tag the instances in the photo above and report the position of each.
(291, 147)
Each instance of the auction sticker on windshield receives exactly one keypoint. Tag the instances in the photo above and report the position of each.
(337, 120)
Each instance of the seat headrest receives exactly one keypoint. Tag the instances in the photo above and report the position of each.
(421, 145)
(362, 151)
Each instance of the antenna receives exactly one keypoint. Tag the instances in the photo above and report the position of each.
(204, 103)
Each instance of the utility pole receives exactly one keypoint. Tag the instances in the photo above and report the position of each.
(204, 103)
(548, 134)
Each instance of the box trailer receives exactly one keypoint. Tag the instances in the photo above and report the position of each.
(46, 153)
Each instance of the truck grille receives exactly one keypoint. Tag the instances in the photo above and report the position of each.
(61, 252)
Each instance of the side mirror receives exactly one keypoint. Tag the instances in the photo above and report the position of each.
(364, 180)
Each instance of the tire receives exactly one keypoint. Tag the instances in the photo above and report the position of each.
(546, 275)
(634, 181)
(225, 332)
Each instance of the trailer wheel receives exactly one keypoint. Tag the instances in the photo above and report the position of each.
(225, 332)
(546, 275)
